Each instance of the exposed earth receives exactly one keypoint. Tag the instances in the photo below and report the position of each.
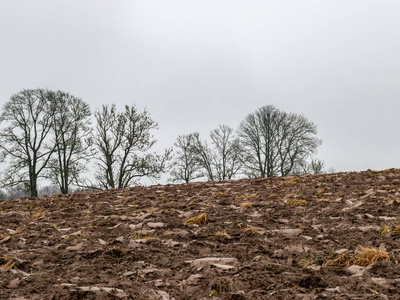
(333, 236)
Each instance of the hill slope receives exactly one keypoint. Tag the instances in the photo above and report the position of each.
(329, 236)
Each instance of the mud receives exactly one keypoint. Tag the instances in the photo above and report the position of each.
(298, 237)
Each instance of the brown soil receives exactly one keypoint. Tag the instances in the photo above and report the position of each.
(332, 236)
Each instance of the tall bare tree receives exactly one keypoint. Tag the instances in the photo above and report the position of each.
(204, 156)
(124, 140)
(185, 166)
(227, 152)
(72, 138)
(27, 120)
(275, 142)
(220, 160)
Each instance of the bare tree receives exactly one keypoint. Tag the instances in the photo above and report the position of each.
(28, 122)
(204, 156)
(72, 138)
(227, 152)
(313, 167)
(124, 140)
(275, 142)
(185, 166)
(295, 141)
(221, 160)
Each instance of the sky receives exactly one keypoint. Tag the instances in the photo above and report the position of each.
(196, 64)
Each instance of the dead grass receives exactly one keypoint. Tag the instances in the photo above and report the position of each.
(39, 215)
(199, 220)
(307, 261)
(143, 235)
(365, 256)
(396, 231)
(246, 205)
(320, 193)
(385, 230)
(296, 202)
(343, 259)
(34, 207)
(324, 200)
(219, 195)
(19, 229)
(222, 234)
(253, 229)
(292, 182)
(8, 262)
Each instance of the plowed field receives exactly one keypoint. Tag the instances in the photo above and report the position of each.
(333, 236)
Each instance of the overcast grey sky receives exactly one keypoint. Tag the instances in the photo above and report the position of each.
(198, 64)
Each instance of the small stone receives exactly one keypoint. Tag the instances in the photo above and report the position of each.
(149, 270)
(68, 284)
(223, 267)
(314, 267)
(194, 279)
(387, 218)
(283, 221)
(75, 248)
(341, 251)
(90, 288)
(382, 247)
(170, 243)
(380, 281)
(141, 241)
(382, 191)
(334, 290)
(75, 280)
(369, 228)
(133, 244)
(137, 226)
(14, 283)
(120, 239)
(155, 225)
(102, 242)
(201, 262)
(356, 271)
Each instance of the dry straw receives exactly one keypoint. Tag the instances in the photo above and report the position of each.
(199, 220)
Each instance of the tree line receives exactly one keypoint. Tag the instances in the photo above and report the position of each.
(48, 135)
